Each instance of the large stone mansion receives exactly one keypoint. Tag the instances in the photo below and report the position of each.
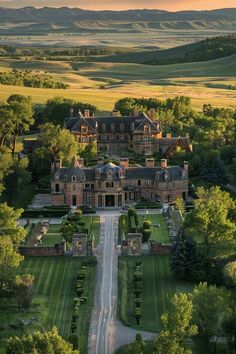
(110, 185)
(116, 134)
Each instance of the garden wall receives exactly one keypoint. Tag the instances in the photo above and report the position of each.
(58, 249)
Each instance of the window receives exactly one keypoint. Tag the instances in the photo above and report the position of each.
(84, 129)
(73, 178)
(104, 127)
(146, 128)
(87, 185)
(65, 178)
(57, 187)
(109, 184)
(74, 187)
(112, 127)
(109, 174)
(139, 182)
(122, 127)
(89, 198)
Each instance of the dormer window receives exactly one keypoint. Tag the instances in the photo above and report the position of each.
(109, 174)
(112, 127)
(146, 129)
(84, 129)
(104, 128)
(65, 178)
(73, 178)
(122, 127)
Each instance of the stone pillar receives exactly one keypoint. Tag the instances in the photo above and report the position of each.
(103, 201)
(116, 200)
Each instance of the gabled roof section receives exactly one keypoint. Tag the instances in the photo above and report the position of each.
(146, 121)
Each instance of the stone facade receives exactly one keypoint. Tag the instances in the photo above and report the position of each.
(115, 134)
(115, 186)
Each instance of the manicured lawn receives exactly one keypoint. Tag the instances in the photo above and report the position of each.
(51, 239)
(159, 234)
(54, 291)
(158, 288)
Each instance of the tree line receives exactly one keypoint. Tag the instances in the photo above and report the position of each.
(27, 78)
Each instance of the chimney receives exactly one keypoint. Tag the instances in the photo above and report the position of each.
(100, 161)
(150, 162)
(124, 161)
(168, 136)
(81, 162)
(152, 113)
(86, 113)
(136, 112)
(58, 164)
(164, 164)
(186, 167)
(71, 112)
(115, 113)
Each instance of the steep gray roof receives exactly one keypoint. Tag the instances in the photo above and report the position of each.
(66, 174)
(95, 124)
(174, 173)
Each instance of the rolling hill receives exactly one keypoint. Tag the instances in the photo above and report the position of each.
(209, 49)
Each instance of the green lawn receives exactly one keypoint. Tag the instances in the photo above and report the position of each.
(50, 239)
(158, 288)
(159, 234)
(54, 291)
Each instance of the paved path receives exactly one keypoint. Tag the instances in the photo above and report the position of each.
(106, 333)
(101, 336)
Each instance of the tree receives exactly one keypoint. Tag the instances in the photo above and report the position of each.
(23, 285)
(230, 273)
(58, 108)
(17, 179)
(138, 347)
(211, 218)
(184, 261)
(176, 327)
(210, 306)
(179, 205)
(57, 143)
(11, 235)
(6, 162)
(48, 342)
(21, 107)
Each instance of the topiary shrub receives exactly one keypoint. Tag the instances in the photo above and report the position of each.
(74, 340)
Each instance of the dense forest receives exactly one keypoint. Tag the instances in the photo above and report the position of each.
(27, 78)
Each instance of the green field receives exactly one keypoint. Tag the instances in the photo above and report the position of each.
(54, 291)
(159, 234)
(103, 84)
(158, 288)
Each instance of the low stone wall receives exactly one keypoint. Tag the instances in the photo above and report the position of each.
(58, 249)
(158, 248)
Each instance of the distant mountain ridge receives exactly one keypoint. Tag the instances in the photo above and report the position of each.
(53, 15)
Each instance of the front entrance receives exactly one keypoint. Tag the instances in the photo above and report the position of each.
(110, 201)
(74, 200)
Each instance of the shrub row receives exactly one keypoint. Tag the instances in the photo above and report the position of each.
(138, 289)
(73, 337)
(47, 213)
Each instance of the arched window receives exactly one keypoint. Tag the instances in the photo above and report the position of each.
(109, 174)
(65, 178)
(73, 178)
(112, 127)
(122, 127)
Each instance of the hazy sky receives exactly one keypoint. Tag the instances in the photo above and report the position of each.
(172, 5)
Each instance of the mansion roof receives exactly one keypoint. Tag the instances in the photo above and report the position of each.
(111, 171)
(128, 124)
